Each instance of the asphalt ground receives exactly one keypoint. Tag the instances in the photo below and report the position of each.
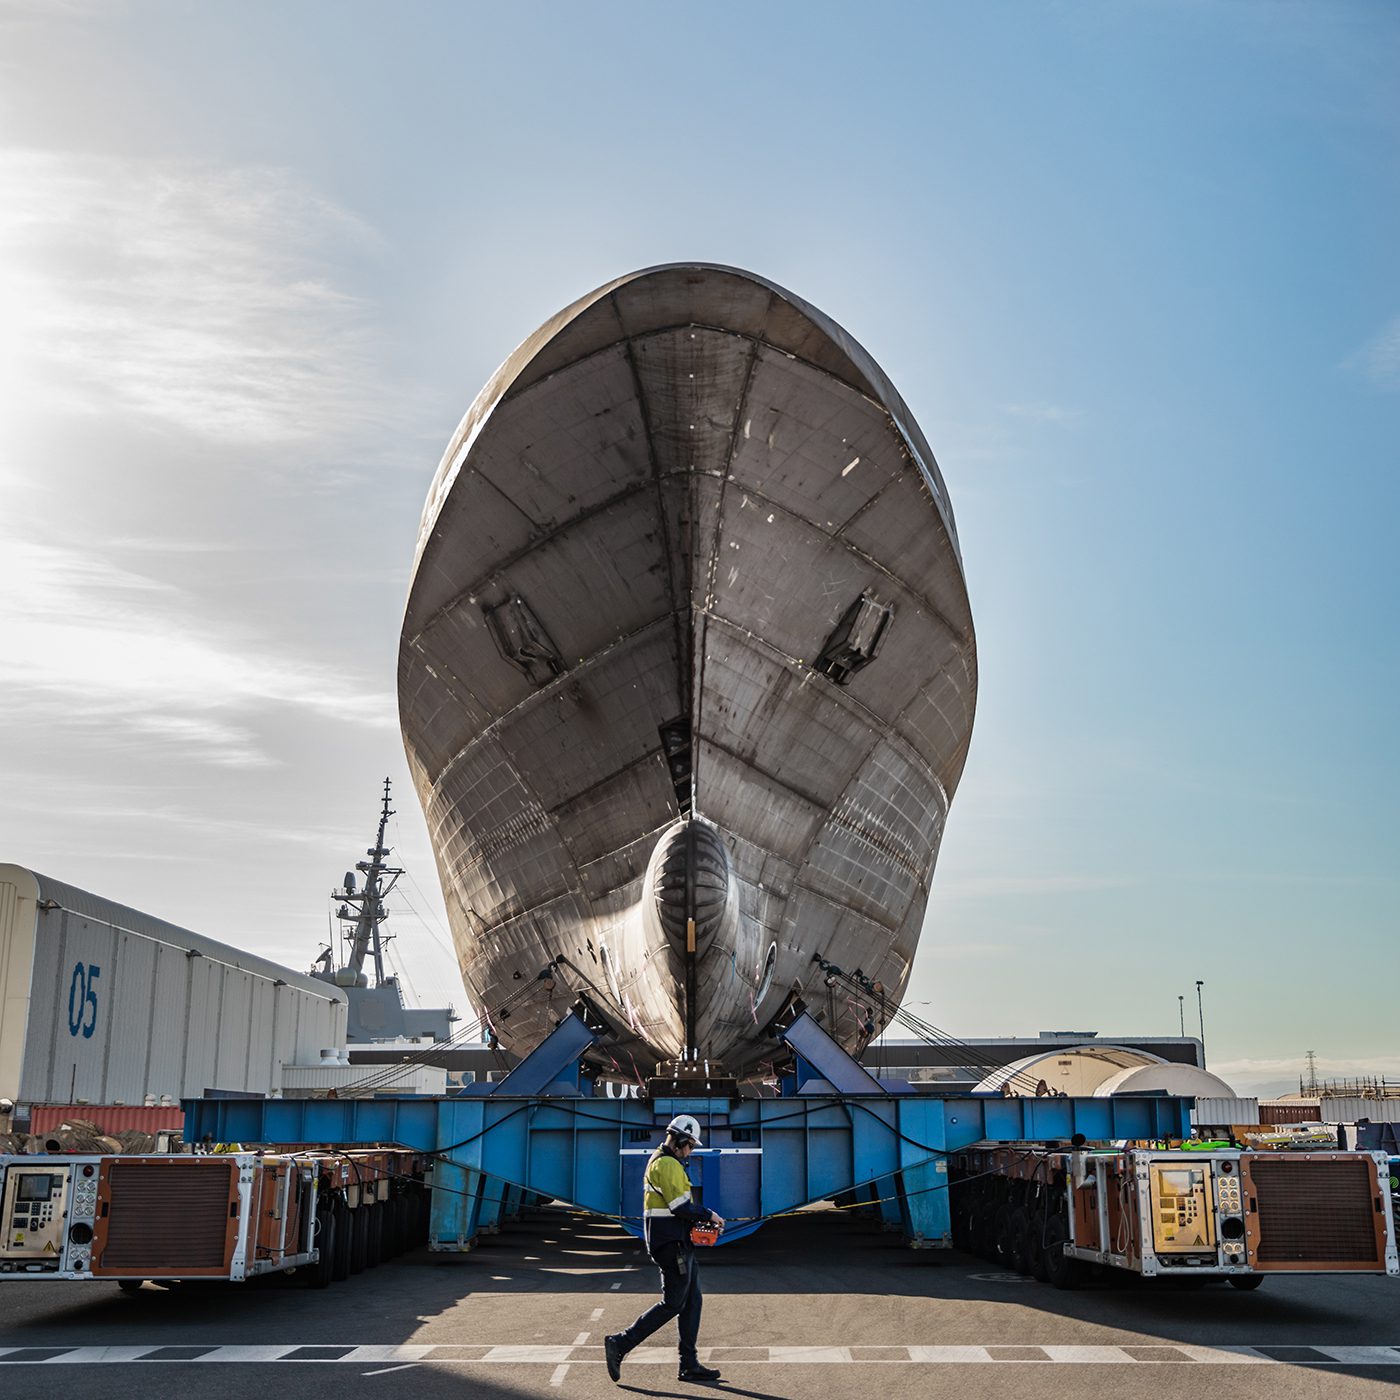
(820, 1304)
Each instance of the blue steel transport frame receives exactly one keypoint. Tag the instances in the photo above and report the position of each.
(497, 1148)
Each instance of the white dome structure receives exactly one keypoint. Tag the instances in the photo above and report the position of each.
(1181, 1081)
(1076, 1071)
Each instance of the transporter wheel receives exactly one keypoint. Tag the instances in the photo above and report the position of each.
(359, 1233)
(1064, 1272)
(1035, 1247)
(1001, 1237)
(321, 1273)
(1018, 1235)
(958, 1217)
(1246, 1283)
(130, 1285)
(374, 1250)
(388, 1234)
(344, 1240)
(983, 1224)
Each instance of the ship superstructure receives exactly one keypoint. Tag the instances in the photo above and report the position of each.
(376, 1009)
(687, 672)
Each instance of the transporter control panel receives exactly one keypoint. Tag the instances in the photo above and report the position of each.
(32, 1217)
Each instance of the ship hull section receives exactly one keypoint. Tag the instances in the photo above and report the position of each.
(676, 520)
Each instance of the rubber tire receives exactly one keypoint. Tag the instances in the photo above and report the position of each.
(1246, 1283)
(984, 1236)
(394, 1227)
(359, 1234)
(1001, 1237)
(1035, 1247)
(388, 1232)
(344, 1240)
(322, 1272)
(130, 1286)
(374, 1253)
(1065, 1273)
(961, 1222)
(1018, 1233)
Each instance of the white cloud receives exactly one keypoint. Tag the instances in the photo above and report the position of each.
(184, 295)
(88, 642)
(1268, 1077)
(1379, 358)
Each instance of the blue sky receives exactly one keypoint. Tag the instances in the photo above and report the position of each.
(1132, 265)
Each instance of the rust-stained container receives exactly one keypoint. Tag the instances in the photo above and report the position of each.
(1279, 1113)
(111, 1118)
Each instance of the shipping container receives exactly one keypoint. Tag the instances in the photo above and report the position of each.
(109, 1118)
(104, 1004)
(1277, 1112)
(1358, 1110)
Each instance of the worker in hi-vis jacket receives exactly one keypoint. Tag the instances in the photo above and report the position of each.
(670, 1213)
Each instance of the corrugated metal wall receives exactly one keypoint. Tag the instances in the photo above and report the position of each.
(119, 1005)
(1219, 1113)
(1354, 1110)
(300, 1081)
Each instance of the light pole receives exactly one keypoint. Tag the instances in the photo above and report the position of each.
(1200, 1011)
(1181, 1009)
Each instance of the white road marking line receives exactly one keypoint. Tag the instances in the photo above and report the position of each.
(406, 1356)
(557, 1375)
(527, 1353)
(408, 1351)
(105, 1354)
(652, 1356)
(595, 1314)
(618, 1284)
(1361, 1356)
(1227, 1356)
(246, 1353)
(948, 1355)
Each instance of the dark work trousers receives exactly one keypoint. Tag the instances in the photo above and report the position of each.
(680, 1298)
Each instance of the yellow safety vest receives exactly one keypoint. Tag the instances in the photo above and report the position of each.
(666, 1186)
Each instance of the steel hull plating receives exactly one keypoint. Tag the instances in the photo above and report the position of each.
(687, 559)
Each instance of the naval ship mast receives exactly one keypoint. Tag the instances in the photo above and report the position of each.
(375, 1010)
(368, 906)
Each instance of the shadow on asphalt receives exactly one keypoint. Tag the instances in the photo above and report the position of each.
(557, 1251)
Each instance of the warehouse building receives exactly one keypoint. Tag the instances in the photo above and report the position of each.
(104, 1004)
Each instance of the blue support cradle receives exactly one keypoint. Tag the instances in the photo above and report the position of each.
(498, 1149)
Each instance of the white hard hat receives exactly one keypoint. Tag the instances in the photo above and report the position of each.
(685, 1126)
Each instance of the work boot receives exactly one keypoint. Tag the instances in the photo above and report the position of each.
(613, 1352)
(696, 1374)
